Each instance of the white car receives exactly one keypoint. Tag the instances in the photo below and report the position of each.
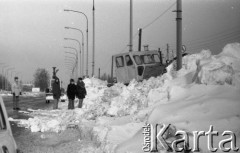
(49, 97)
(49, 94)
(7, 143)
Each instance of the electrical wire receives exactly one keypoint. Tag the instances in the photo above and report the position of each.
(146, 26)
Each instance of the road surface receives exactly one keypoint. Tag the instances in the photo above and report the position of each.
(47, 142)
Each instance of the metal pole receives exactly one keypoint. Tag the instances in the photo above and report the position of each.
(112, 70)
(76, 57)
(167, 52)
(82, 60)
(99, 73)
(87, 53)
(131, 28)
(139, 39)
(86, 32)
(179, 34)
(3, 78)
(76, 51)
(93, 40)
(160, 55)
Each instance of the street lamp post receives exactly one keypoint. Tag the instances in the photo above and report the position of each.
(86, 32)
(70, 67)
(82, 46)
(75, 61)
(4, 76)
(93, 56)
(76, 55)
(69, 63)
(75, 49)
(12, 73)
(7, 70)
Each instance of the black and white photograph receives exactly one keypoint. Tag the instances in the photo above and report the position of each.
(119, 76)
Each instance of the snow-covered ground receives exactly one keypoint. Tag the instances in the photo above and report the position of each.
(24, 94)
(206, 91)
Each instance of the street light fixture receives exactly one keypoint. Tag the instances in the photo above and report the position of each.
(70, 68)
(82, 46)
(71, 53)
(68, 63)
(76, 55)
(67, 10)
(74, 61)
(76, 50)
(72, 49)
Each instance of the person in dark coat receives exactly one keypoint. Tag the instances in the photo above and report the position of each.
(56, 90)
(71, 93)
(81, 92)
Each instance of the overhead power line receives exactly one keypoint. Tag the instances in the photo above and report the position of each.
(146, 26)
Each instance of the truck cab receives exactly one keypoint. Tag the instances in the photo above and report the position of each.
(137, 65)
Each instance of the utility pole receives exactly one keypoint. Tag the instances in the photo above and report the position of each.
(131, 28)
(167, 52)
(160, 55)
(93, 40)
(139, 39)
(179, 34)
(99, 73)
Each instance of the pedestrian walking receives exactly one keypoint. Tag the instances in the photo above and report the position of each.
(16, 91)
(81, 92)
(56, 90)
(71, 93)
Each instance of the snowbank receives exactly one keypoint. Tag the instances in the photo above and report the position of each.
(204, 92)
(212, 100)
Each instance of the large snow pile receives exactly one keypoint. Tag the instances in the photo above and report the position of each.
(213, 98)
(204, 92)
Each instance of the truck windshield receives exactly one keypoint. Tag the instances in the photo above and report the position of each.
(119, 61)
(156, 58)
(137, 59)
(147, 59)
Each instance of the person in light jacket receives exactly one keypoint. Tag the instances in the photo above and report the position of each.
(56, 90)
(16, 91)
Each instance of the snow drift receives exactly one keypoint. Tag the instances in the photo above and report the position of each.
(204, 92)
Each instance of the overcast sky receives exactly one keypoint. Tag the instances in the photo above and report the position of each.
(32, 32)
